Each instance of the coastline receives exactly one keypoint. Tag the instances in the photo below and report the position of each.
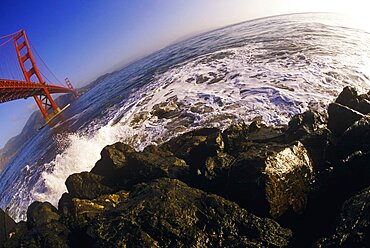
(299, 185)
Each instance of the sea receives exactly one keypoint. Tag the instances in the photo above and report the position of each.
(270, 68)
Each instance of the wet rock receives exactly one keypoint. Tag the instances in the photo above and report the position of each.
(123, 168)
(168, 213)
(113, 158)
(201, 108)
(6, 225)
(271, 179)
(87, 185)
(234, 137)
(42, 229)
(310, 128)
(355, 139)
(41, 213)
(353, 225)
(348, 97)
(259, 132)
(39, 237)
(168, 109)
(200, 79)
(78, 213)
(341, 118)
(196, 146)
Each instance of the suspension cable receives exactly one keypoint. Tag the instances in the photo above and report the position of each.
(37, 54)
(6, 36)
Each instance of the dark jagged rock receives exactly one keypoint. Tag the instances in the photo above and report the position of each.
(259, 132)
(87, 185)
(168, 213)
(6, 225)
(122, 167)
(234, 136)
(271, 178)
(356, 138)
(113, 158)
(190, 146)
(39, 214)
(353, 225)
(310, 128)
(349, 97)
(77, 213)
(42, 229)
(341, 118)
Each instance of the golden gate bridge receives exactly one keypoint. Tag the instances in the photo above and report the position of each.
(20, 76)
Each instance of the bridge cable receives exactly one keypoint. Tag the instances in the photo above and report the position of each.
(12, 34)
(37, 54)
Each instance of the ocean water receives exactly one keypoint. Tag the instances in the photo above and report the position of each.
(270, 68)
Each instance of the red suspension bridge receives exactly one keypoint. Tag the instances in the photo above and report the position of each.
(20, 77)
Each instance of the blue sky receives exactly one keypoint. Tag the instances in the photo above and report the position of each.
(84, 39)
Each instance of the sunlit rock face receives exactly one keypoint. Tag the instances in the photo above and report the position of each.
(289, 175)
(271, 179)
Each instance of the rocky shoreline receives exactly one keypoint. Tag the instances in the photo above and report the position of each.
(301, 185)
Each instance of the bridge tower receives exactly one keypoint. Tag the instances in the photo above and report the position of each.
(70, 86)
(45, 102)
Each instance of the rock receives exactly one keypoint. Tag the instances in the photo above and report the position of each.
(258, 131)
(356, 138)
(271, 178)
(77, 213)
(341, 118)
(196, 146)
(39, 237)
(113, 158)
(87, 185)
(41, 213)
(168, 109)
(42, 229)
(203, 150)
(168, 213)
(6, 226)
(353, 225)
(122, 167)
(364, 106)
(310, 128)
(348, 97)
(14, 238)
(234, 136)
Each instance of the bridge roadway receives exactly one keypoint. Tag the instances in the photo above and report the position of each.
(13, 89)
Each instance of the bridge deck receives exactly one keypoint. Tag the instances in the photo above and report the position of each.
(12, 89)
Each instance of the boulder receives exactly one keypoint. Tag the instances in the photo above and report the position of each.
(310, 128)
(341, 118)
(87, 185)
(350, 98)
(41, 213)
(77, 213)
(353, 224)
(355, 139)
(113, 158)
(6, 226)
(234, 136)
(168, 213)
(196, 146)
(271, 178)
(42, 229)
(121, 167)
